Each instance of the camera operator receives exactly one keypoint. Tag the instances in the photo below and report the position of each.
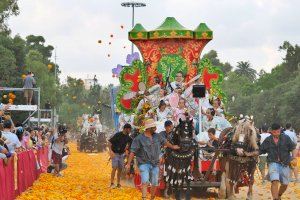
(59, 141)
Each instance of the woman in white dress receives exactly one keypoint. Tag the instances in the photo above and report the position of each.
(162, 114)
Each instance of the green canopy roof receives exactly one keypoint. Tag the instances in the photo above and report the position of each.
(203, 32)
(138, 33)
(170, 28)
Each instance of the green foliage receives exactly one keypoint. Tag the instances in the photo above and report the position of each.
(245, 69)
(7, 66)
(38, 43)
(273, 97)
(7, 9)
(212, 55)
(76, 101)
(44, 80)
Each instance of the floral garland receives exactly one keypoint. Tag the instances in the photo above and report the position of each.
(130, 77)
(215, 90)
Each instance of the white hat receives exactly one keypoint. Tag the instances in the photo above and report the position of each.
(150, 123)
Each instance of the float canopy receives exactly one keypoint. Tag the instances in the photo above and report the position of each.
(170, 28)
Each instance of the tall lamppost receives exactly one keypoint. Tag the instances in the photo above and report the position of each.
(133, 4)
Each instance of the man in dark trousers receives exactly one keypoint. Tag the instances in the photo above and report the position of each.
(281, 155)
(117, 146)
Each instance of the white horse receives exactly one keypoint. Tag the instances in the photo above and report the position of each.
(85, 124)
(97, 124)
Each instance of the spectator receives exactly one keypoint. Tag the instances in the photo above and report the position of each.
(289, 132)
(279, 147)
(12, 141)
(147, 148)
(4, 154)
(263, 157)
(50, 138)
(26, 138)
(33, 138)
(117, 146)
(20, 135)
(47, 107)
(59, 141)
(28, 85)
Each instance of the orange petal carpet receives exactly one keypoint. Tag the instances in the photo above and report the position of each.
(88, 177)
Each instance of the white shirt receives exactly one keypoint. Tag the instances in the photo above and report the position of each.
(57, 145)
(292, 135)
(263, 136)
(176, 84)
(202, 137)
(12, 141)
(218, 123)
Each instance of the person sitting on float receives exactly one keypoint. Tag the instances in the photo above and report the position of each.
(179, 81)
(217, 106)
(155, 98)
(162, 115)
(210, 120)
(180, 111)
(155, 89)
(125, 119)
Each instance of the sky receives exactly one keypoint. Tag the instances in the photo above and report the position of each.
(244, 30)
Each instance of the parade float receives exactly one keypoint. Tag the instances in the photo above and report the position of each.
(166, 51)
(92, 138)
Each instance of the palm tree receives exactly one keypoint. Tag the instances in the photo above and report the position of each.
(245, 69)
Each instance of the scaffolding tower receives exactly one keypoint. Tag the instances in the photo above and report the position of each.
(32, 109)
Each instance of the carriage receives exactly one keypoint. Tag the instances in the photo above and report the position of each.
(92, 138)
(169, 51)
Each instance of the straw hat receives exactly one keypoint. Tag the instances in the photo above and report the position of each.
(149, 123)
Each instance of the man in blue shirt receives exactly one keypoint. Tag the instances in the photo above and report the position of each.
(147, 148)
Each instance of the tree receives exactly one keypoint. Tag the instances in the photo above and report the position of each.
(7, 8)
(245, 69)
(7, 67)
(38, 43)
(212, 55)
(45, 80)
(292, 57)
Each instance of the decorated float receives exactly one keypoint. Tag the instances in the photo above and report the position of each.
(163, 86)
(92, 138)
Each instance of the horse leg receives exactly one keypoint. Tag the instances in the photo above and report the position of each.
(188, 191)
(251, 183)
(229, 185)
(196, 174)
(177, 192)
(222, 190)
(250, 191)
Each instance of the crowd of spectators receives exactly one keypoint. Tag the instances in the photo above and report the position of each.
(15, 138)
